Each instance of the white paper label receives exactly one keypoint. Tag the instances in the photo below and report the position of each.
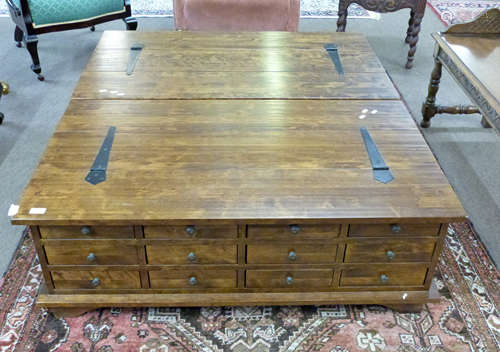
(13, 210)
(38, 211)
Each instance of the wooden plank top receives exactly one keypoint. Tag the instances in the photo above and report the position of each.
(187, 161)
(265, 65)
(479, 58)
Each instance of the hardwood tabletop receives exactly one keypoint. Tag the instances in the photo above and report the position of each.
(481, 56)
(185, 152)
(266, 65)
(236, 160)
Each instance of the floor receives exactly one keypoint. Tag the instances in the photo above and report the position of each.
(466, 151)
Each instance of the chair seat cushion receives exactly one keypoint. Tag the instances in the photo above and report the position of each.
(51, 12)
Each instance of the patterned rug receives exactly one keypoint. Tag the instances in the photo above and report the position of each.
(309, 8)
(467, 319)
(459, 11)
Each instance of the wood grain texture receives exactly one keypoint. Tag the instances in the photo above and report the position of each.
(204, 279)
(400, 275)
(402, 250)
(299, 278)
(237, 299)
(293, 232)
(161, 253)
(237, 176)
(266, 253)
(180, 65)
(107, 279)
(96, 232)
(200, 232)
(237, 161)
(356, 230)
(82, 252)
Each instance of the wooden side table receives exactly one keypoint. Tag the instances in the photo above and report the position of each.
(417, 14)
(4, 89)
(470, 52)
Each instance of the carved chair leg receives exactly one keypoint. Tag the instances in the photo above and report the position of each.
(32, 46)
(342, 21)
(429, 108)
(410, 26)
(18, 37)
(131, 23)
(414, 38)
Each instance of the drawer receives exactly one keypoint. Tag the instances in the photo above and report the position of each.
(193, 279)
(294, 231)
(165, 253)
(82, 252)
(86, 232)
(288, 278)
(190, 232)
(298, 253)
(387, 251)
(358, 230)
(96, 280)
(402, 275)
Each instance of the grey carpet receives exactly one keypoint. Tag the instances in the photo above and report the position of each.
(467, 152)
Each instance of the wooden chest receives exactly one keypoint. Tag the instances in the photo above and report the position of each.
(237, 176)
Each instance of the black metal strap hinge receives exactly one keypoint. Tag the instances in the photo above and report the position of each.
(333, 51)
(97, 172)
(135, 52)
(381, 171)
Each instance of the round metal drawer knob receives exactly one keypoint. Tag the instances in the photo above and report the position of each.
(91, 257)
(95, 282)
(193, 281)
(192, 257)
(384, 278)
(390, 255)
(86, 230)
(289, 280)
(191, 230)
(292, 255)
(295, 229)
(396, 228)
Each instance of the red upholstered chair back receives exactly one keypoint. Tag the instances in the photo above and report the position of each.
(237, 15)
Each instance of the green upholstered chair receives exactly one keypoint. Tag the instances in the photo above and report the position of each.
(33, 17)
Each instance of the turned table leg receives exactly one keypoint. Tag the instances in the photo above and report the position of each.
(342, 21)
(429, 108)
(410, 26)
(415, 29)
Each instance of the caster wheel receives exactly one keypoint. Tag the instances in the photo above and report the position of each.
(41, 78)
(92, 29)
(19, 44)
(1, 118)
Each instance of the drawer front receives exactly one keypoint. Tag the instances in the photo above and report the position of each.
(293, 232)
(164, 253)
(88, 232)
(359, 230)
(387, 251)
(298, 253)
(193, 279)
(68, 252)
(190, 232)
(96, 280)
(288, 278)
(407, 275)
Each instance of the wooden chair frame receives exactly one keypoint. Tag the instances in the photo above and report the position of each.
(26, 32)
